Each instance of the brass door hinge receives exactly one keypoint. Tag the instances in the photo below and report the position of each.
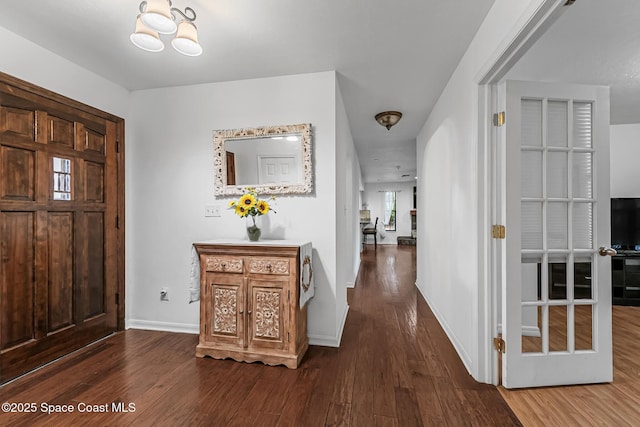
(499, 344)
(499, 119)
(498, 231)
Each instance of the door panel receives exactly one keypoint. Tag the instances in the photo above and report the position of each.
(61, 131)
(277, 169)
(556, 292)
(225, 307)
(268, 317)
(94, 291)
(60, 270)
(18, 121)
(58, 249)
(17, 285)
(18, 175)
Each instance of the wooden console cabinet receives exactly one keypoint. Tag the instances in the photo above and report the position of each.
(249, 303)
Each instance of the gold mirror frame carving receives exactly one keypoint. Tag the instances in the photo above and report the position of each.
(220, 163)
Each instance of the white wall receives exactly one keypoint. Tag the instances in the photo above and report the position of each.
(27, 61)
(625, 160)
(373, 197)
(450, 264)
(347, 227)
(169, 178)
(172, 181)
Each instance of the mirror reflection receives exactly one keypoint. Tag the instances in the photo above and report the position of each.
(274, 160)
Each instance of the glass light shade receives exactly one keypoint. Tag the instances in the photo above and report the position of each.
(145, 38)
(186, 41)
(157, 16)
(388, 118)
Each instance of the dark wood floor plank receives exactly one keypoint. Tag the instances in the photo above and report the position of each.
(301, 392)
(363, 387)
(395, 367)
(408, 412)
(264, 387)
(382, 421)
(339, 415)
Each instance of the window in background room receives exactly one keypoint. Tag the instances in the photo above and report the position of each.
(390, 210)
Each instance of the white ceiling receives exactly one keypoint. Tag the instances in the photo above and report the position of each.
(593, 42)
(388, 55)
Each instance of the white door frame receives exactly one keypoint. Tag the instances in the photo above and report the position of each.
(534, 24)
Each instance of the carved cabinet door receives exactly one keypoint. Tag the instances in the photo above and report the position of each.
(267, 313)
(225, 309)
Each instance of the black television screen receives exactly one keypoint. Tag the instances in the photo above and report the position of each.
(625, 224)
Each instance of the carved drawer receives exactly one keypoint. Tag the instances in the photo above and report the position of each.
(224, 264)
(262, 265)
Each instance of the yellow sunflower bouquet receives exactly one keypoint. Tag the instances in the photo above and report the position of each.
(250, 206)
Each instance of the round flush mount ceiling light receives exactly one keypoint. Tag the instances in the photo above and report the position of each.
(388, 118)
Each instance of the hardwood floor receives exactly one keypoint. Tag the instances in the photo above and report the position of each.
(395, 367)
(614, 404)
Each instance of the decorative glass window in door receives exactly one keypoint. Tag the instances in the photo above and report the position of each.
(61, 179)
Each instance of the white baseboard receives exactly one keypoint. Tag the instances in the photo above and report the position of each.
(185, 328)
(151, 325)
(327, 340)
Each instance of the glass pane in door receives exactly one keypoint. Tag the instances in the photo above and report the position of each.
(557, 123)
(556, 219)
(531, 225)
(558, 327)
(584, 327)
(532, 329)
(557, 178)
(582, 129)
(583, 288)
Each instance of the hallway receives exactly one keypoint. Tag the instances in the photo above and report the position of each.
(395, 367)
(405, 365)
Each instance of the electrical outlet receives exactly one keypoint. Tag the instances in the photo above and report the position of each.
(212, 210)
(164, 294)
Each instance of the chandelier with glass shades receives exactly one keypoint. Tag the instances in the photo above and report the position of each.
(159, 17)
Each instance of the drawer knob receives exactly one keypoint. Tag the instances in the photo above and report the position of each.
(249, 312)
(241, 312)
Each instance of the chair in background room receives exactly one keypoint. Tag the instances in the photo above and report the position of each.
(371, 231)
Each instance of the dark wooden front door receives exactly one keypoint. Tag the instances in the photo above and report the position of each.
(59, 237)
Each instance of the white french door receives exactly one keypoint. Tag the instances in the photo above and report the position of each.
(556, 287)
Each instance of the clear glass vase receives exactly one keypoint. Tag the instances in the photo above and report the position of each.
(254, 227)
